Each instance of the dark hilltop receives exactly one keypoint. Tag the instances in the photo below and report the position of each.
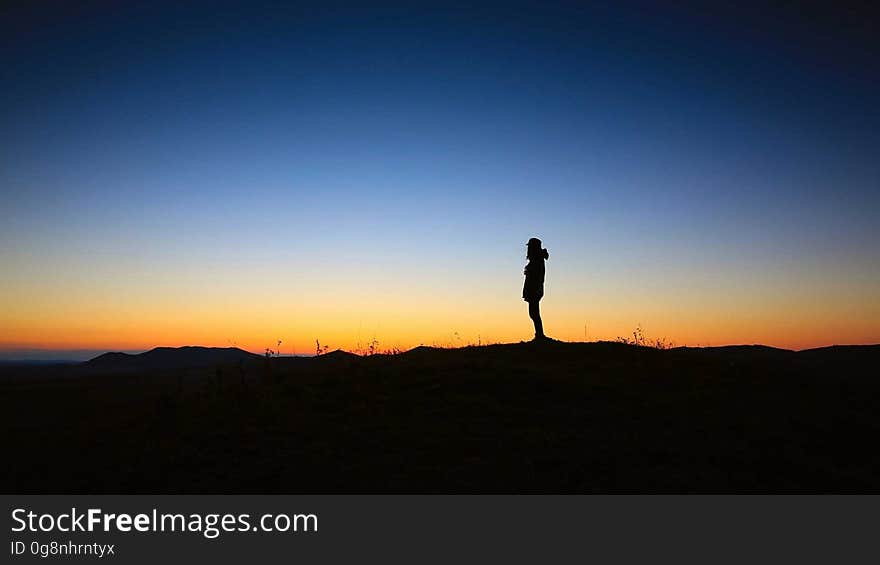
(532, 417)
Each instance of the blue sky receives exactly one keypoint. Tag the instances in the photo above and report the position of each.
(727, 156)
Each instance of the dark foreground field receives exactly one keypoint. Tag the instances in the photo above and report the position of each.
(554, 417)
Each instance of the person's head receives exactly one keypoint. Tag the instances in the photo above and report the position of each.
(534, 251)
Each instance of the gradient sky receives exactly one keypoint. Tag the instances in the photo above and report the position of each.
(222, 175)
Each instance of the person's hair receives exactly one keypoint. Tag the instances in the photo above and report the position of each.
(534, 251)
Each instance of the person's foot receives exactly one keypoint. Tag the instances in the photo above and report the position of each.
(543, 338)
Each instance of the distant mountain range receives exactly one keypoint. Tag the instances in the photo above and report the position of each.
(171, 358)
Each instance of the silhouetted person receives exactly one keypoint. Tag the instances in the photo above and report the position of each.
(533, 289)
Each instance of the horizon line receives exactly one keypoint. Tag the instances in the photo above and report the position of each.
(7, 355)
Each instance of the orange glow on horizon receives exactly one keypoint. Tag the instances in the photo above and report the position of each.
(124, 309)
(337, 332)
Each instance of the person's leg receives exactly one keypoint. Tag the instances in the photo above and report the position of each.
(535, 315)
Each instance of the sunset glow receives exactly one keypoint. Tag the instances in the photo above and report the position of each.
(321, 177)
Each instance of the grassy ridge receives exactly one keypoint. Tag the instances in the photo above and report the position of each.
(553, 417)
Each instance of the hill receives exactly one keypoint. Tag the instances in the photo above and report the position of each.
(533, 418)
(170, 358)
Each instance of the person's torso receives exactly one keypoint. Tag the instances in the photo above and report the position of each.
(535, 271)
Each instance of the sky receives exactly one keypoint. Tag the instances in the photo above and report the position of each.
(238, 174)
